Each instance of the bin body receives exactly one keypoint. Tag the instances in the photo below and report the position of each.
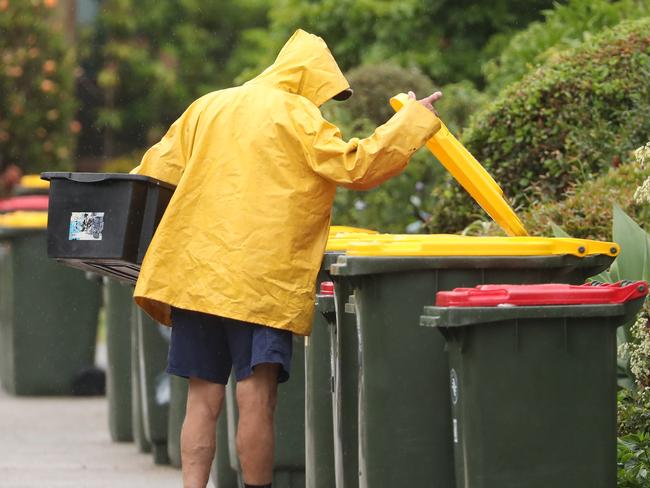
(177, 403)
(319, 432)
(153, 348)
(222, 474)
(289, 459)
(403, 372)
(48, 317)
(533, 395)
(137, 413)
(118, 300)
(345, 364)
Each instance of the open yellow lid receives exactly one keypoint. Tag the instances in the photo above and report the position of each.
(454, 245)
(24, 220)
(34, 182)
(470, 174)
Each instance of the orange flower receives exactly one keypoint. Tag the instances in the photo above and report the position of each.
(47, 86)
(75, 127)
(14, 71)
(4, 5)
(50, 3)
(17, 109)
(49, 66)
(33, 52)
(52, 115)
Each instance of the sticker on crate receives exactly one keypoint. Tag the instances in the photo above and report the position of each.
(86, 226)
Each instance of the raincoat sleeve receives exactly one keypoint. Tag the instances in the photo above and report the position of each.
(166, 160)
(361, 164)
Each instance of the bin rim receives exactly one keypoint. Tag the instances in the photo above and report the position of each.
(85, 177)
(347, 265)
(455, 317)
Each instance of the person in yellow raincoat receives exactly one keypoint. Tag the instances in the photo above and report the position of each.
(233, 263)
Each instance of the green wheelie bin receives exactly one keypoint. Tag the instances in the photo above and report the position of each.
(402, 374)
(329, 461)
(222, 474)
(319, 432)
(152, 347)
(289, 459)
(137, 413)
(318, 463)
(118, 299)
(177, 402)
(48, 313)
(532, 382)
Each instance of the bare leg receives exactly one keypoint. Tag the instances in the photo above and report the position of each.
(256, 398)
(204, 401)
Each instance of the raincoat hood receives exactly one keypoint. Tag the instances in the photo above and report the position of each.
(305, 66)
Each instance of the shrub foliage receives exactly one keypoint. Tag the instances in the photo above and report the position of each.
(561, 124)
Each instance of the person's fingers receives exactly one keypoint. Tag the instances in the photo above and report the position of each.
(434, 97)
(411, 95)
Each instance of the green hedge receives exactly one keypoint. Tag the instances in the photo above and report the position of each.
(564, 26)
(559, 125)
(587, 210)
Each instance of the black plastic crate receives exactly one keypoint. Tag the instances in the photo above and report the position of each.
(104, 222)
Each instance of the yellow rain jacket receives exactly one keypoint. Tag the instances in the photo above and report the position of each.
(256, 168)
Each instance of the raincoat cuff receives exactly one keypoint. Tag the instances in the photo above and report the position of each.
(421, 118)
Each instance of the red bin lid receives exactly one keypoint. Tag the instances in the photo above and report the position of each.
(24, 203)
(327, 288)
(547, 294)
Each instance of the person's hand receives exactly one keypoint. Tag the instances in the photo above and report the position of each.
(427, 102)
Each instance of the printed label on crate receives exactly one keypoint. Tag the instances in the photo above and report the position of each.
(86, 226)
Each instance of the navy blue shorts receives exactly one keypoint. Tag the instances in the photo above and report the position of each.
(208, 347)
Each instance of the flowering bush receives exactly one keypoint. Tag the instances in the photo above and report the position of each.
(37, 105)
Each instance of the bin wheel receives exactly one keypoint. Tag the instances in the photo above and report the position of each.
(90, 381)
(160, 455)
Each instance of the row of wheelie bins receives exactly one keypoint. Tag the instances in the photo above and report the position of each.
(378, 393)
(48, 313)
(373, 390)
(373, 401)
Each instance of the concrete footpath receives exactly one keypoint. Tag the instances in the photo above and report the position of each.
(49, 442)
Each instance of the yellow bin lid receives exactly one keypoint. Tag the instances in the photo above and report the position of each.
(344, 241)
(341, 242)
(34, 182)
(453, 245)
(24, 220)
(470, 174)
